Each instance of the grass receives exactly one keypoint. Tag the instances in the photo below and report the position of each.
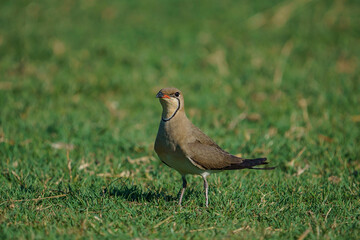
(78, 118)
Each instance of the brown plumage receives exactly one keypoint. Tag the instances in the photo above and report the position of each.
(182, 146)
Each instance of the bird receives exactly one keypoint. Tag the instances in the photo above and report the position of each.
(182, 146)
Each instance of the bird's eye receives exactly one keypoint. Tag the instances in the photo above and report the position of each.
(177, 94)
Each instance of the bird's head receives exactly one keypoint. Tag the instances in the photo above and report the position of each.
(171, 100)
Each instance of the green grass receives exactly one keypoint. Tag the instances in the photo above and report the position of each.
(262, 78)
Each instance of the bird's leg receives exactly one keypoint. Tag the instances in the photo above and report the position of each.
(206, 187)
(183, 189)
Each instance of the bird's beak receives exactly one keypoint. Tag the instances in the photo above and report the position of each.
(161, 95)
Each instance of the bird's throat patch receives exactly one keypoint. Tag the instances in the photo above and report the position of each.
(172, 115)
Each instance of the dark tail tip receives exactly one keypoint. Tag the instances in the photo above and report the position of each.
(258, 161)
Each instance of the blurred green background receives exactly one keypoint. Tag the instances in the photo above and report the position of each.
(78, 117)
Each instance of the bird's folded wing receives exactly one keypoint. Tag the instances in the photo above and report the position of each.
(210, 157)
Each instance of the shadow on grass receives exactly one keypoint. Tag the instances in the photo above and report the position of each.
(136, 194)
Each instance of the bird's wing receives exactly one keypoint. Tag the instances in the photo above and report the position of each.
(207, 154)
(210, 157)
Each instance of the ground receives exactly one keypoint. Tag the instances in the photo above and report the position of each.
(78, 118)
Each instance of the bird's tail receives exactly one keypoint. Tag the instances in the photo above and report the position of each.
(250, 163)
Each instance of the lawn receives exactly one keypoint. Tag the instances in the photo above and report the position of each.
(79, 117)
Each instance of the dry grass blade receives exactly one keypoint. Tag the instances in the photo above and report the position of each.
(236, 120)
(304, 106)
(327, 214)
(34, 199)
(218, 59)
(241, 229)
(334, 179)
(202, 229)
(61, 145)
(302, 170)
(6, 85)
(304, 235)
(124, 174)
(292, 162)
(164, 221)
(276, 16)
(285, 53)
(144, 159)
(355, 118)
(69, 164)
(17, 176)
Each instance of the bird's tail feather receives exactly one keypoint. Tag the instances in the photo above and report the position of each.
(250, 163)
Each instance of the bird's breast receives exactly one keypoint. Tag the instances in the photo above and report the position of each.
(167, 147)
